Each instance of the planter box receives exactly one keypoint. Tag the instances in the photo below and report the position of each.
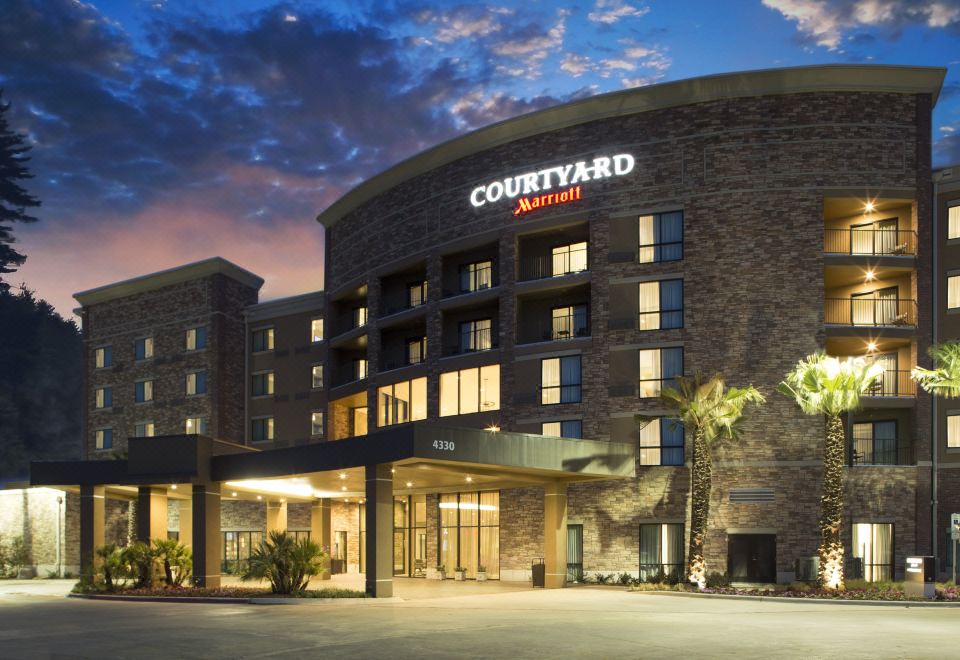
(460, 576)
(481, 577)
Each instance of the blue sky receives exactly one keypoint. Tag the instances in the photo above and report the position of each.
(166, 132)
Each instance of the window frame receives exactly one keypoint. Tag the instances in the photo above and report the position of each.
(475, 335)
(147, 342)
(266, 376)
(107, 397)
(561, 387)
(660, 566)
(198, 332)
(663, 429)
(950, 208)
(390, 416)
(660, 312)
(104, 350)
(196, 381)
(269, 427)
(471, 271)
(314, 338)
(202, 423)
(459, 395)
(98, 438)
(147, 385)
(313, 424)
(657, 248)
(663, 381)
(270, 334)
(422, 290)
(560, 423)
(152, 428)
(313, 376)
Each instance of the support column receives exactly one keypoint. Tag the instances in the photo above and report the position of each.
(91, 526)
(206, 535)
(151, 513)
(186, 522)
(276, 516)
(320, 529)
(555, 534)
(379, 518)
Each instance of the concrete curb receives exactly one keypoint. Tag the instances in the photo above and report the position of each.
(236, 601)
(815, 601)
(327, 601)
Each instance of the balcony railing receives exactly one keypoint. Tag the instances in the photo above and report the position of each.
(893, 242)
(474, 341)
(881, 451)
(556, 265)
(893, 383)
(871, 312)
(559, 328)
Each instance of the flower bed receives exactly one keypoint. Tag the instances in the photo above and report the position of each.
(240, 593)
(888, 591)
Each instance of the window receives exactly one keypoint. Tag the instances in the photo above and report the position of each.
(103, 438)
(560, 380)
(953, 430)
(470, 390)
(196, 426)
(196, 338)
(316, 376)
(417, 294)
(416, 350)
(143, 391)
(874, 443)
(568, 322)
(262, 384)
(143, 430)
(402, 402)
(143, 348)
(570, 258)
(359, 367)
(359, 316)
(661, 237)
(103, 357)
(261, 429)
(661, 552)
(661, 305)
(661, 443)
(316, 330)
(657, 367)
(953, 291)
(197, 382)
(569, 428)
(316, 424)
(873, 545)
(263, 340)
(476, 276)
(476, 335)
(103, 397)
(953, 222)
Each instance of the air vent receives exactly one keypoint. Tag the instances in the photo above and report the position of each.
(751, 495)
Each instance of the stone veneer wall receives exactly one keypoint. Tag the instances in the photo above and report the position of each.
(345, 517)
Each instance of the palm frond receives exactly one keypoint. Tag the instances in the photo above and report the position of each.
(944, 379)
(821, 384)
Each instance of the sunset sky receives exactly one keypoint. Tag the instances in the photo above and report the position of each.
(167, 132)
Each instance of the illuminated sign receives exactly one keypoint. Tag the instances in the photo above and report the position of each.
(563, 176)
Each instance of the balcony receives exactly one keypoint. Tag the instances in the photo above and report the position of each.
(473, 341)
(893, 383)
(558, 264)
(559, 328)
(871, 312)
(880, 451)
(870, 242)
(350, 373)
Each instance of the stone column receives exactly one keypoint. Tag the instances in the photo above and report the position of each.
(379, 518)
(186, 522)
(91, 525)
(206, 535)
(555, 534)
(151, 513)
(320, 529)
(276, 516)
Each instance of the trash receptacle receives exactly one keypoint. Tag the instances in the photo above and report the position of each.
(539, 572)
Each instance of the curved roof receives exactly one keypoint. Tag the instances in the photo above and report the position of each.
(825, 78)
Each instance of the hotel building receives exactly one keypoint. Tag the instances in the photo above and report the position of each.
(499, 309)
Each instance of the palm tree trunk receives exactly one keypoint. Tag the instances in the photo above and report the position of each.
(699, 510)
(831, 507)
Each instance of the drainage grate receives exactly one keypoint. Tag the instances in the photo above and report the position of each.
(751, 495)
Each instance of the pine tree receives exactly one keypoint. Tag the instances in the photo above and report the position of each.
(14, 199)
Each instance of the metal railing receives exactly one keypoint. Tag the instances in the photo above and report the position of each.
(877, 451)
(893, 383)
(871, 312)
(474, 341)
(554, 265)
(893, 242)
(558, 328)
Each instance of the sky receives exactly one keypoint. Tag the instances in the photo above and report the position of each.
(166, 132)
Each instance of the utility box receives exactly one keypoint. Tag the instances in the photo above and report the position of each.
(539, 572)
(920, 577)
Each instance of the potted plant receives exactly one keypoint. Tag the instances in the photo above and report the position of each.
(440, 572)
(459, 574)
(481, 573)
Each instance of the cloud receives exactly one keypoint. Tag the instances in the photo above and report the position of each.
(650, 59)
(824, 22)
(946, 150)
(575, 65)
(609, 12)
(464, 22)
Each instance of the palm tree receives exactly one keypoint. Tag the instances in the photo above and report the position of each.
(711, 412)
(828, 386)
(945, 379)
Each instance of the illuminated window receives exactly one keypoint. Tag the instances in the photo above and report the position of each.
(316, 423)
(103, 357)
(316, 330)
(661, 552)
(262, 340)
(416, 350)
(402, 402)
(476, 335)
(103, 397)
(953, 292)
(103, 438)
(360, 368)
(470, 390)
(316, 376)
(568, 322)
(953, 430)
(560, 380)
(476, 276)
(195, 426)
(143, 391)
(569, 428)
(953, 222)
(570, 258)
(661, 237)
(143, 430)
(262, 384)
(196, 338)
(196, 382)
(359, 316)
(661, 305)
(658, 366)
(661, 443)
(261, 429)
(143, 348)
(873, 545)
(417, 294)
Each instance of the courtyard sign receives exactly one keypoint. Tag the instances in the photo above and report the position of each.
(563, 176)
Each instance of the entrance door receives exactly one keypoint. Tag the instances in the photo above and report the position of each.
(752, 557)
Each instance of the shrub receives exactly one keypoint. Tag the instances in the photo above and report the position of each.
(111, 568)
(716, 580)
(137, 560)
(287, 563)
(624, 578)
(176, 559)
(4, 559)
(18, 555)
(579, 577)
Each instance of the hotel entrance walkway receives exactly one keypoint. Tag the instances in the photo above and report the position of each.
(407, 588)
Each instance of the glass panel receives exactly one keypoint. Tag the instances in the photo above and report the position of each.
(953, 291)
(649, 318)
(650, 443)
(570, 379)
(953, 428)
(490, 508)
(490, 387)
(649, 373)
(671, 438)
(551, 429)
(649, 551)
(449, 393)
(646, 254)
(672, 548)
(469, 391)
(490, 551)
(671, 304)
(572, 428)
(861, 239)
(671, 236)
(418, 405)
(550, 381)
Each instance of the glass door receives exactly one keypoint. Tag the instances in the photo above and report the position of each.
(400, 524)
(886, 237)
(887, 311)
(861, 239)
(574, 551)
